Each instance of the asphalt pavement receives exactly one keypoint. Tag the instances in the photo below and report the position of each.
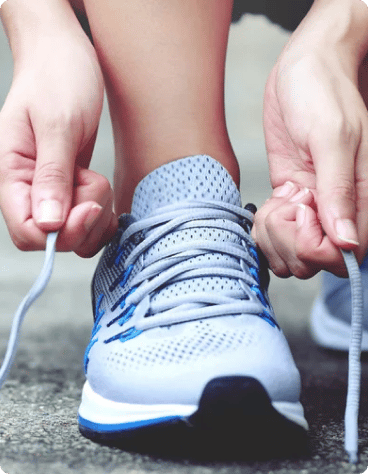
(39, 402)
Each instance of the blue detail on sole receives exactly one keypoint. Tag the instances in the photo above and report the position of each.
(119, 427)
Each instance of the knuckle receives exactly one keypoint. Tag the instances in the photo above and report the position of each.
(84, 252)
(98, 186)
(20, 242)
(280, 271)
(62, 123)
(335, 130)
(300, 271)
(302, 252)
(343, 190)
(337, 123)
(272, 221)
(343, 130)
(102, 185)
(306, 257)
(51, 172)
(15, 167)
(260, 215)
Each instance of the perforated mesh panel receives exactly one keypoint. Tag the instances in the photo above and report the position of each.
(195, 285)
(203, 339)
(107, 272)
(195, 177)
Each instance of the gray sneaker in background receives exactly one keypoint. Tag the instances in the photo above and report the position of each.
(331, 312)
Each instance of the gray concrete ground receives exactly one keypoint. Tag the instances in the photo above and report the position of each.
(38, 430)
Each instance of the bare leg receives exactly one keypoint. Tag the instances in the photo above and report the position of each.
(163, 64)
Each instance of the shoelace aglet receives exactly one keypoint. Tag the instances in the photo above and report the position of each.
(353, 457)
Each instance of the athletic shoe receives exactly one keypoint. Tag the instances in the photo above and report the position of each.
(331, 312)
(185, 339)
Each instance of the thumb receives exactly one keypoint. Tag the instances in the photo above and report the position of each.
(336, 194)
(52, 185)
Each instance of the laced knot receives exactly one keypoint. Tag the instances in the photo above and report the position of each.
(231, 256)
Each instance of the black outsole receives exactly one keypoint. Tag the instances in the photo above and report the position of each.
(235, 420)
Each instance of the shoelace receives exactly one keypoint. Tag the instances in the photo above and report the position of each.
(178, 262)
(354, 375)
(36, 290)
(355, 348)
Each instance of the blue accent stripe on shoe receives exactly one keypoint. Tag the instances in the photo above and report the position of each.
(124, 336)
(122, 279)
(88, 350)
(269, 319)
(111, 428)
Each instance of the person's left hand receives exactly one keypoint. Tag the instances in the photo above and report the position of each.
(291, 234)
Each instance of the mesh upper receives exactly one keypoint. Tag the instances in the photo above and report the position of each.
(193, 178)
(190, 178)
(203, 339)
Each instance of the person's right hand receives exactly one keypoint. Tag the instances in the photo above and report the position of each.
(48, 127)
(316, 130)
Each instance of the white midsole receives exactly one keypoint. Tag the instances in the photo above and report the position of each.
(102, 411)
(99, 410)
(330, 332)
(292, 411)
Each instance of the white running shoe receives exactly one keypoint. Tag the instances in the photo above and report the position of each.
(184, 336)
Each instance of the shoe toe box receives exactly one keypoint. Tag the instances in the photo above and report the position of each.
(174, 364)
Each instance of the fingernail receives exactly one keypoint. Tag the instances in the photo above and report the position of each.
(50, 211)
(92, 217)
(300, 215)
(299, 195)
(284, 190)
(345, 229)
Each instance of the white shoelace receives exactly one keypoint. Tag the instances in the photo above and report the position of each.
(178, 262)
(36, 290)
(354, 375)
(355, 348)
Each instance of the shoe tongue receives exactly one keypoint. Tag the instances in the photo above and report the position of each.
(194, 178)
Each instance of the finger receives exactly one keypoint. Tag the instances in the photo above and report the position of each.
(260, 233)
(15, 203)
(334, 162)
(286, 190)
(313, 247)
(88, 228)
(78, 225)
(362, 198)
(52, 186)
(299, 243)
(103, 228)
(281, 228)
(17, 166)
(264, 237)
(103, 231)
(91, 221)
